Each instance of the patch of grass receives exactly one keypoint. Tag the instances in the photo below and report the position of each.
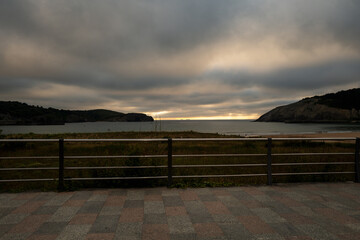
(100, 149)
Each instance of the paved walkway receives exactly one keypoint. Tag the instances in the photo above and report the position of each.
(306, 211)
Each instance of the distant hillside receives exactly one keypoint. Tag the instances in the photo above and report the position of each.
(16, 113)
(340, 107)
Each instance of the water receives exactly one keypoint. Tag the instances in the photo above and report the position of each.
(236, 127)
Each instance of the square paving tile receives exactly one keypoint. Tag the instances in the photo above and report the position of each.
(133, 204)
(216, 208)
(91, 207)
(30, 224)
(105, 224)
(188, 195)
(43, 237)
(131, 215)
(154, 207)
(155, 218)
(155, 231)
(175, 211)
(51, 227)
(100, 236)
(180, 225)
(255, 225)
(83, 218)
(208, 230)
(172, 201)
(74, 232)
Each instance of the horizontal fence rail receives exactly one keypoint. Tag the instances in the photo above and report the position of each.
(268, 160)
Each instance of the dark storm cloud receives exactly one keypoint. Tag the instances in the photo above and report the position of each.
(298, 78)
(158, 55)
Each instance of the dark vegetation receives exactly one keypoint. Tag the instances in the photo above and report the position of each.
(21, 149)
(349, 99)
(340, 107)
(16, 113)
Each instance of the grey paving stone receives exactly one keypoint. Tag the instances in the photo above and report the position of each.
(316, 232)
(13, 218)
(64, 214)
(172, 201)
(240, 211)
(154, 207)
(195, 207)
(105, 224)
(155, 218)
(332, 226)
(154, 191)
(229, 201)
(278, 207)
(15, 236)
(180, 225)
(305, 211)
(200, 217)
(207, 198)
(118, 192)
(82, 195)
(98, 197)
(74, 232)
(202, 191)
(110, 210)
(44, 196)
(5, 197)
(51, 227)
(354, 226)
(263, 198)
(4, 228)
(91, 207)
(286, 229)
(180, 236)
(313, 204)
(5, 211)
(135, 194)
(225, 219)
(211, 238)
(47, 210)
(133, 203)
(12, 203)
(127, 238)
(170, 192)
(296, 196)
(241, 195)
(268, 236)
(128, 230)
(235, 231)
(268, 215)
(58, 200)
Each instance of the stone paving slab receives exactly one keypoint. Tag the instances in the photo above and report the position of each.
(288, 211)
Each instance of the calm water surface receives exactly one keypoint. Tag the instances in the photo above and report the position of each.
(236, 127)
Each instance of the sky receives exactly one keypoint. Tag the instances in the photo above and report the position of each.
(177, 59)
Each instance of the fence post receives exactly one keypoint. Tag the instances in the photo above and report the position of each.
(61, 165)
(269, 173)
(357, 168)
(169, 162)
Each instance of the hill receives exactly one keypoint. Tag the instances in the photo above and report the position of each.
(340, 107)
(16, 113)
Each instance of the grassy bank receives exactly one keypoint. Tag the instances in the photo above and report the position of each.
(41, 149)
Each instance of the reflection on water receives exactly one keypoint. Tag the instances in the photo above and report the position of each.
(236, 127)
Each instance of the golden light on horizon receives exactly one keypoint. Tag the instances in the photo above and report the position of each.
(223, 117)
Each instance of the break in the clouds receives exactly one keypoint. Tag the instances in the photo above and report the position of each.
(177, 58)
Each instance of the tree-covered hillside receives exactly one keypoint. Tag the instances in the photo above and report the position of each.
(16, 113)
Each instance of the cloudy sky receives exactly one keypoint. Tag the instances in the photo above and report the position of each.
(177, 59)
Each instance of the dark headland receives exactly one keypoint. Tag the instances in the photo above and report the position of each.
(340, 107)
(16, 113)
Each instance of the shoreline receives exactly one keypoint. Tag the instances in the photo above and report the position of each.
(317, 135)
